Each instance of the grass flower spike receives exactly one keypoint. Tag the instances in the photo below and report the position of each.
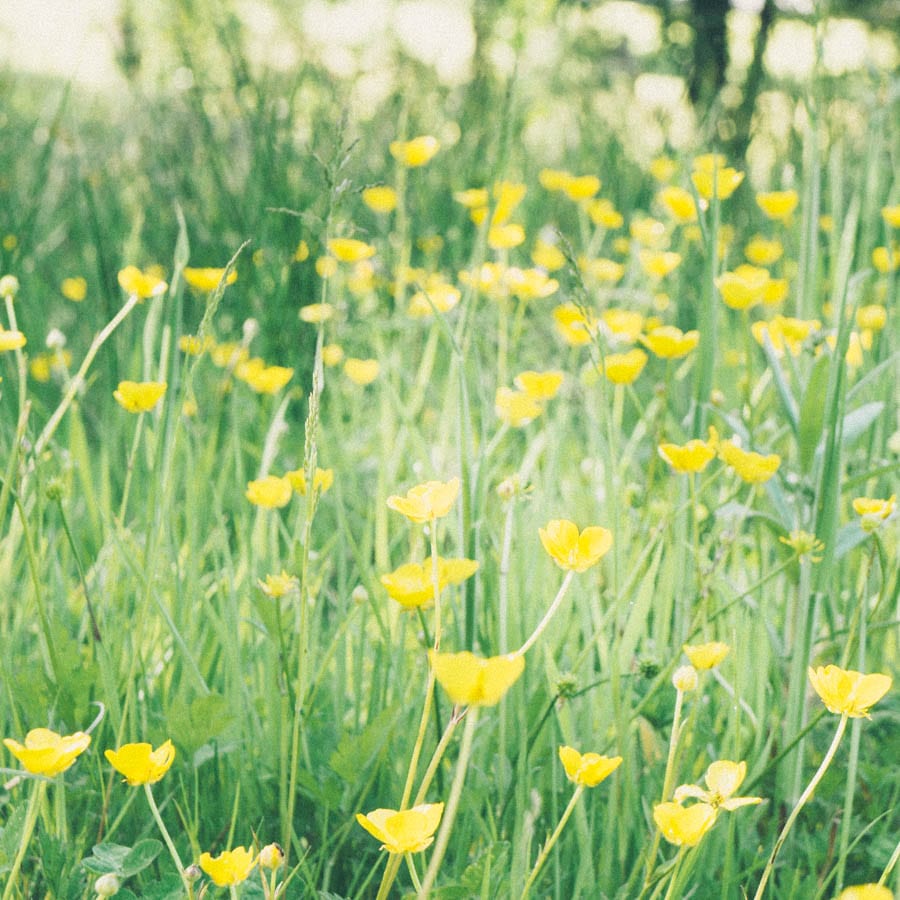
(47, 753)
(572, 550)
(230, 867)
(587, 769)
(408, 831)
(425, 502)
(139, 396)
(470, 680)
(140, 763)
(848, 693)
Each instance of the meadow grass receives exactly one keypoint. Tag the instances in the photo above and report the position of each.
(159, 587)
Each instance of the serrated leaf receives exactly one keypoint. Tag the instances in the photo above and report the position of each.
(355, 752)
(141, 855)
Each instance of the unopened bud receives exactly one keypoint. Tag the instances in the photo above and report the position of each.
(55, 339)
(359, 594)
(271, 856)
(9, 287)
(107, 885)
(685, 679)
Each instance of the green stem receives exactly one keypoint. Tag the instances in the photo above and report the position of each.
(890, 866)
(130, 470)
(545, 850)
(20, 358)
(390, 873)
(826, 762)
(413, 874)
(31, 814)
(443, 838)
(548, 615)
(168, 841)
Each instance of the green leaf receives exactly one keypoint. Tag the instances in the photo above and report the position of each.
(859, 420)
(106, 858)
(141, 855)
(355, 752)
(196, 723)
(812, 411)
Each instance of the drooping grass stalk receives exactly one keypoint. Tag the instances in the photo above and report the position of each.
(450, 809)
(35, 801)
(548, 846)
(807, 793)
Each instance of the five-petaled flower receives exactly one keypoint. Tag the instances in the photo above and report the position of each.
(427, 501)
(229, 867)
(139, 396)
(140, 763)
(573, 550)
(407, 831)
(706, 656)
(473, 681)
(47, 753)
(846, 692)
(587, 769)
(722, 778)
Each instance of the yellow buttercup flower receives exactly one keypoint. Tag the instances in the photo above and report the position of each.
(139, 396)
(326, 266)
(872, 317)
(547, 256)
(262, 378)
(207, 279)
(270, 492)
(427, 501)
(866, 892)
(724, 183)
(587, 769)
(574, 327)
(230, 867)
(301, 254)
(778, 205)
(679, 203)
(669, 342)
(140, 763)
(322, 480)
(540, 385)
(886, 259)
(572, 550)
(409, 831)
(332, 355)
(277, 586)
(762, 251)
(602, 212)
(694, 456)
(74, 289)
(473, 198)
(752, 467)
(361, 371)
(722, 779)
(380, 199)
(659, 263)
(316, 313)
(553, 179)
(601, 270)
(581, 187)
(846, 692)
(473, 681)
(663, 168)
(623, 324)
(439, 295)
(775, 291)
(47, 753)
(350, 250)
(744, 287)
(649, 232)
(684, 826)
(706, 656)
(804, 544)
(891, 215)
(411, 584)
(785, 332)
(145, 284)
(11, 340)
(505, 236)
(417, 152)
(873, 512)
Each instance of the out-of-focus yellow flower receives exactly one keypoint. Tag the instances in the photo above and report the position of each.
(706, 656)
(332, 355)
(361, 278)
(846, 692)
(516, 408)
(474, 681)
(873, 512)
(472, 198)
(744, 287)
(659, 263)
(326, 266)
(489, 279)
(722, 779)
(505, 236)
(439, 295)
(623, 324)
(11, 340)
(530, 284)
(804, 544)
(602, 212)
(581, 187)
(752, 467)
(380, 199)
(191, 345)
(47, 753)
(826, 223)
(207, 279)
(316, 313)
(884, 260)
(724, 183)
(264, 379)
(572, 325)
(322, 480)
(601, 270)
(361, 371)
(866, 892)
(663, 168)
(139, 396)
(785, 332)
(669, 342)
(854, 353)
(684, 826)
(417, 152)
(694, 456)
(762, 251)
(301, 254)
(411, 584)
(74, 289)
(650, 233)
(777, 205)
(140, 763)
(409, 831)
(553, 179)
(679, 203)
(271, 492)
(624, 368)
(9, 242)
(574, 550)
(427, 501)
(891, 215)
(277, 586)
(587, 769)
(547, 256)
(775, 291)
(145, 284)
(350, 250)
(540, 385)
(507, 196)
(872, 317)
(230, 867)
(684, 679)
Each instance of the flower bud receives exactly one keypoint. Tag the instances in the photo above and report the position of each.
(685, 679)
(359, 594)
(271, 856)
(55, 339)
(9, 287)
(107, 885)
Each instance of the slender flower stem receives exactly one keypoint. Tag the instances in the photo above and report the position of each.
(31, 814)
(413, 874)
(443, 838)
(168, 840)
(20, 357)
(129, 472)
(436, 758)
(545, 850)
(826, 762)
(390, 873)
(890, 866)
(436, 585)
(673, 881)
(548, 615)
